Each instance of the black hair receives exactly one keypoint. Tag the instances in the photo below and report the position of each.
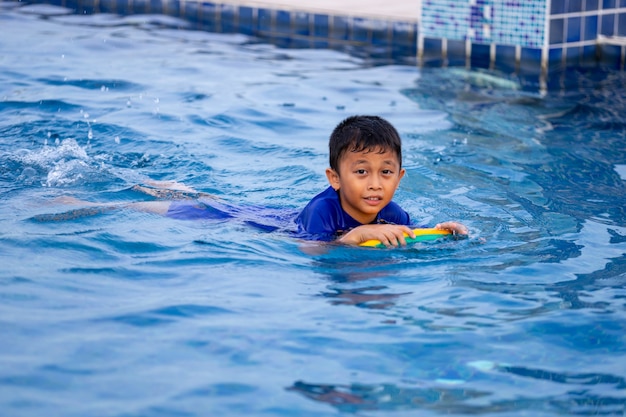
(363, 133)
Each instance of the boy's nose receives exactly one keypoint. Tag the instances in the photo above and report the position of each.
(375, 184)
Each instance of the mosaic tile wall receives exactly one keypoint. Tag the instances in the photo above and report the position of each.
(486, 21)
(527, 36)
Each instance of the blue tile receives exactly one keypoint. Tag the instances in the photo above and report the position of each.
(172, 8)
(123, 7)
(557, 28)
(264, 20)
(607, 27)
(432, 47)
(89, 6)
(574, 6)
(283, 21)
(555, 59)
(208, 16)
(530, 61)
(572, 56)
(340, 28)
(621, 25)
(557, 7)
(432, 52)
(404, 35)
(381, 34)
(246, 20)
(155, 6)
(192, 11)
(505, 58)
(228, 18)
(591, 28)
(589, 55)
(608, 4)
(106, 6)
(301, 24)
(320, 26)
(622, 3)
(360, 33)
(591, 5)
(136, 6)
(456, 52)
(480, 57)
(573, 29)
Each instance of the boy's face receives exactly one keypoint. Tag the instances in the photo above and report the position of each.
(366, 182)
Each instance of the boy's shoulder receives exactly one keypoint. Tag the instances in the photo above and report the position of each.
(322, 216)
(327, 199)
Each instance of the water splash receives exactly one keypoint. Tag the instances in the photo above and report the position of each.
(59, 165)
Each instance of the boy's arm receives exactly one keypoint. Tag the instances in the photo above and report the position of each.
(388, 234)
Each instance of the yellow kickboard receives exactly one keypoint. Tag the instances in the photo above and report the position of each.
(421, 235)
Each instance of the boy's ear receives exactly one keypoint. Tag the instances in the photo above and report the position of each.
(333, 178)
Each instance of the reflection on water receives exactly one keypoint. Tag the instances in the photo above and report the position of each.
(584, 394)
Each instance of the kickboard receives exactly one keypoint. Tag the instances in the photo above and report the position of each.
(421, 235)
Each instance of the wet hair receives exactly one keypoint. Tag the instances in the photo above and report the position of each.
(363, 133)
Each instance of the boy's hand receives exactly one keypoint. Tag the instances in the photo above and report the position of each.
(454, 227)
(388, 234)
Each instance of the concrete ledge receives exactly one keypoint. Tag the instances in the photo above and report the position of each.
(394, 10)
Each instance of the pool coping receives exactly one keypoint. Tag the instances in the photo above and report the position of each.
(394, 10)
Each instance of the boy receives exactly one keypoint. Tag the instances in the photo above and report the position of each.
(365, 171)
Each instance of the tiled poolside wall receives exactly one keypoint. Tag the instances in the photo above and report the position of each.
(533, 38)
(524, 36)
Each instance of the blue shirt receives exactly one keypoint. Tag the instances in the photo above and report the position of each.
(324, 218)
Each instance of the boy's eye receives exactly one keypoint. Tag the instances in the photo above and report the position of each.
(360, 171)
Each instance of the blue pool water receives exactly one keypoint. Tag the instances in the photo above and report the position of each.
(127, 313)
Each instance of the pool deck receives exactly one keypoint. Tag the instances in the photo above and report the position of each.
(395, 10)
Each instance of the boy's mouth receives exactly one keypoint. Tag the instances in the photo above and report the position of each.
(373, 200)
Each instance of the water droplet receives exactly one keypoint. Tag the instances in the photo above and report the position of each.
(90, 134)
(117, 140)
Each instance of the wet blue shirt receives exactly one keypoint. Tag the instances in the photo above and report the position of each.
(324, 218)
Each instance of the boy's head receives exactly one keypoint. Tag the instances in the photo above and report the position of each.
(363, 134)
(365, 165)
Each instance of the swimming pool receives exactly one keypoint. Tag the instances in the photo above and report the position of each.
(125, 313)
